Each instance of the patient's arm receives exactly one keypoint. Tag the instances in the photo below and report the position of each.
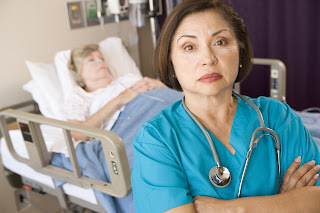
(104, 114)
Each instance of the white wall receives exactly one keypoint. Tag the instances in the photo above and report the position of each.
(35, 30)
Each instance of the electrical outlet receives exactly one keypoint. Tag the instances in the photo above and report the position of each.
(91, 13)
(75, 15)
(22, 197)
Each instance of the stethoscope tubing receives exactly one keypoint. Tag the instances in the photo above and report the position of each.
(205, 132)
(253, 142)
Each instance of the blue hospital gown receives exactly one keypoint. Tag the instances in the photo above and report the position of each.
(172, 157)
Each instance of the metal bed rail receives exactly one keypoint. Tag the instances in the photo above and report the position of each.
(39, 157)
(277, 77)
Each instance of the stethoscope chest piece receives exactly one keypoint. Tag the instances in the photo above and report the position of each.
(219, 176)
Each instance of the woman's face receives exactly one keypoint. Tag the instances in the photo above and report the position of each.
(205, 54)
(94, 67)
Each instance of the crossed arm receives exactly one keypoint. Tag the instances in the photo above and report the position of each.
(297, 194)
(106, 112)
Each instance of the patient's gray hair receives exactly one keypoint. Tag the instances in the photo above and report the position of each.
(76, 58)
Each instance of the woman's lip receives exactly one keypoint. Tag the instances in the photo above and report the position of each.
(210, 77)
(102, 67)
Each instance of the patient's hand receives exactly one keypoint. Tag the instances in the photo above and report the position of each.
(129, 94)
(153, 83)
(295, 177)
(144, 85)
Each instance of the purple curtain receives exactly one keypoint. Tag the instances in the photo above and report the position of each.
(288, 30)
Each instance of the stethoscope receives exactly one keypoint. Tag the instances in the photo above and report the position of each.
(219, 175)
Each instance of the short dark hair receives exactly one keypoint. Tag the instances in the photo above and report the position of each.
(162, 59)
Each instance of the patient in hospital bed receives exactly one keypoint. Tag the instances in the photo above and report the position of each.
(98, 100)
(120, 104)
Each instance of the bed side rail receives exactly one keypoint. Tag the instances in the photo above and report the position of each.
(34, 108)
(39, 157)
(277, 77)
(27, 106)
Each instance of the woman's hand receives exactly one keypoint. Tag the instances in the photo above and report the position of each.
(132, 92)
(153, 83)
(296, 177)
(204, 204)
(144, 85)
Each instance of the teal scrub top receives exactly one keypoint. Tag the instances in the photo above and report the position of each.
(172, 157)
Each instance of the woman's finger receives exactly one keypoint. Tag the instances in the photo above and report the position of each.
(314, 180)
(299, 174)
(286, 178)
(141, 88)
(139, 84)
(308, 178)
(292, 168)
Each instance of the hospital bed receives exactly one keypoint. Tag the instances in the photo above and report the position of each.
(25, 154)
(32, 162)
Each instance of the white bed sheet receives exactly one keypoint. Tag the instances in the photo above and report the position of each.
(26, 171)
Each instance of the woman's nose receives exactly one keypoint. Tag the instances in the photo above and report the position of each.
(99, 61)
(207, 56)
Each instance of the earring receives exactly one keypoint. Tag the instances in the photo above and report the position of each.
(240, 66)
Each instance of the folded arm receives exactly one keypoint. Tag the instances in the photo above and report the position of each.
(303, 199)
(297, 194)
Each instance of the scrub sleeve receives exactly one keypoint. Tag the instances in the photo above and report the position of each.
(165, 184)
(296, 141)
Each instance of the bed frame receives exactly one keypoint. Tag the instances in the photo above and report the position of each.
(112, 144)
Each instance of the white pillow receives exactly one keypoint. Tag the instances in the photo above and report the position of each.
(117, 58)
(45, 89)
(65, 77)
(38, 97)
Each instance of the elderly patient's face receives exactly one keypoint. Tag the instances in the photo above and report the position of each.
(205, 54)
(94, 67)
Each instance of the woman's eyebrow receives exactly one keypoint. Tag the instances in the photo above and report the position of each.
(216, 33)
(187, 36)
(193, 36)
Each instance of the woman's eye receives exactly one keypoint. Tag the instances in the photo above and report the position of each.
(221, 42)
(189, 47)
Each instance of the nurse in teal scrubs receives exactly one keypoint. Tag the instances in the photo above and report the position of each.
(203, 50)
